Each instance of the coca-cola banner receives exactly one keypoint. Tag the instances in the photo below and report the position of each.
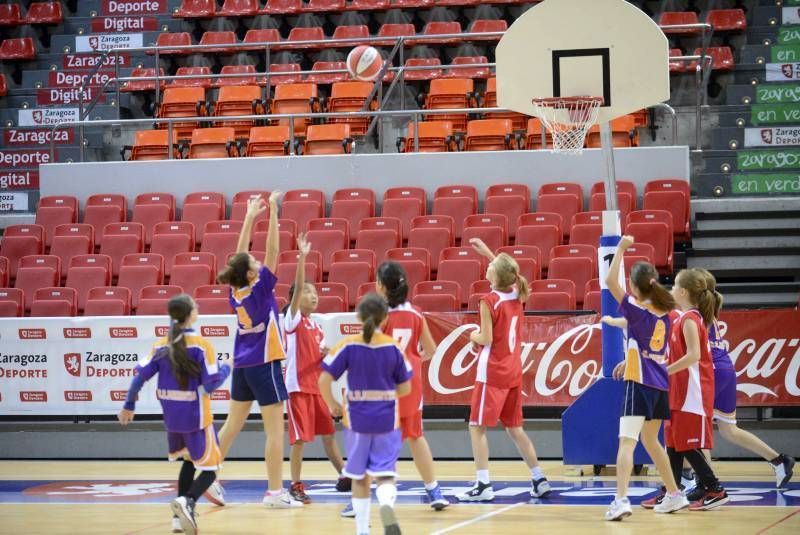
(69, 366)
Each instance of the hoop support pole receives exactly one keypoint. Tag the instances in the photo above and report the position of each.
(607, 142)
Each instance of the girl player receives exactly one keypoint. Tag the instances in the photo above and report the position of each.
(725, 396)
(646, 314)
(188, 372)
(498, 385)
(691, 389)
(408, 327)
(377, 374)
(305, 345)
(258, 348)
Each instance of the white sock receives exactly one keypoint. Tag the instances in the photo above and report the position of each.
(432, 485)
(536, 472)
(386, 493)
(361, 508)
(483, 476)
(275, 492)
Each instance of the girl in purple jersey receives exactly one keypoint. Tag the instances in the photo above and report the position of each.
(647, 313)
(377, 374)
(258, 348)
(187, 369)
(725, 397)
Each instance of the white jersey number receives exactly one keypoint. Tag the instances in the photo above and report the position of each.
(403, 337)
(512, 334)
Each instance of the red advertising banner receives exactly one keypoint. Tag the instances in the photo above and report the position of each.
(26, 137)
(24, 157)
(64, 96)
(133, 7)
(561, 357)
(85, 62)
(124, 24)
(76, 79)
(10, 180)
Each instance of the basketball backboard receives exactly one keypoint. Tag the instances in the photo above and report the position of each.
(561, 48)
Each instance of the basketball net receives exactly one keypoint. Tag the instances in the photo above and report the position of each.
(568, 120)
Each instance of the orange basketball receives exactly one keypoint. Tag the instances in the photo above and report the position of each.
(364, 63)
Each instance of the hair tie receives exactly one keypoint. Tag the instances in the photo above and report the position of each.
(653, 282)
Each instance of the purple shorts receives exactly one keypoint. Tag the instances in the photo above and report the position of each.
(373, 454)
(201, 447)
(725, 391)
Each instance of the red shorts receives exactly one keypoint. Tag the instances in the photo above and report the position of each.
(686, 431)
(411, 426)
(309, 416)
(490, 403)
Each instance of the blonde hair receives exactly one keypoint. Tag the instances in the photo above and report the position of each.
(507, 273)
(694, 282)
(711, 284)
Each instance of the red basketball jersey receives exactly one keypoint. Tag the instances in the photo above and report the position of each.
(499, 364)
(691, 390)
(404, 324)
(304, 339)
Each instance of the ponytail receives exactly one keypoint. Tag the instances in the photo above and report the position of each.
(372, 310)
(706, 304)
(393, 278)
(180, 309)
(644, 278)
(711, 284)
(235, 272)
(523, 288)
(694, 281)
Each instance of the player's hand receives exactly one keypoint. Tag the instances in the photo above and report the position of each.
(255, 207)
(302, 245)
(625, 242)
(323, 351)
(608, 320)
(125, 416)
(479, 246)
(274, 197)
(619, 371)
(336, 410)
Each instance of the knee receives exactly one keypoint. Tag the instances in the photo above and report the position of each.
(514, 432)
(727, 430)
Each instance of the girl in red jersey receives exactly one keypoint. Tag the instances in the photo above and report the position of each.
(691, 389)
(498, 385)
(305, 346)
(406, 324)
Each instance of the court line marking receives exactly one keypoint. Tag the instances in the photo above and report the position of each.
(478, 518)
(784, 519)
(152, 526)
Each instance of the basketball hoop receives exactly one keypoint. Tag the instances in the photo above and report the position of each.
(568, 119)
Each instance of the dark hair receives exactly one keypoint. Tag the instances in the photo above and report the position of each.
(644, 278)
(180, 309)
(372, 310)
(711, 284)
(694, 282)
(393, 278)
(235, 273)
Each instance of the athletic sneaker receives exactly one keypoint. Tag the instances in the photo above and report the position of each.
(652, 502)
(540, 488)
(176, 525)
(480, 492)
(183, 508)
(215, 494)
(710, 500)
(671, 503)
(696, 493)
(348, 511)
(344, 484)
(298, 492)
(619, 509)
(688, 478)
(783, 471)
(281, 501)
(389, 521)
(437, 499)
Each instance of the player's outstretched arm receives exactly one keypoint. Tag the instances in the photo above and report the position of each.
(300, 275)
(273, 246)
(612, 279)
(621, 323)
(255, 207)
(481, 248)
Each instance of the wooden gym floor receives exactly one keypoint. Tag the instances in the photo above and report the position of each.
(110, 497)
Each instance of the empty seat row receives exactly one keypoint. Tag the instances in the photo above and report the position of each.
(38, 13)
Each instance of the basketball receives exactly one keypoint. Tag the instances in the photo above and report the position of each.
(364, 63)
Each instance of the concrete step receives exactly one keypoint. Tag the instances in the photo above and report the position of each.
(751, 294)
(751, 262)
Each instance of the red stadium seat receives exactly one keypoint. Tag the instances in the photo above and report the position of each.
(10, 15)
(676, 18)
(379, 240)
(171, 238)
(364, 289)
(436, 28)
(578, 270)
(369, 5)
(119, 240)
(134, 86)
(528, 257)
(220, 239)
(352, 268)
(727, 20)
(256, 37)
(353, 204)
(676, 65)
(282, 290)
(554, 188)
(390, 30)
(55, 210)
(492, 228)
(326, 242)
(239, 8)
(465, 252)
(625, 203)
(422, 75)
(331, 223)
(287, 266)
(54, 302)
(403, 255)
(356, 255)
(546, 301)
(576, 251)
(201, 207)
(654, 227)
(469, 67)
(283, 73)
(153, 299)
(511, 200)
(45, 13)
(301, 212)
(588, 234)
(721, 58)
(12, 303)
(543, 237)
(72, 239)
(405, 204)
(487, 26)
(239, 204)
(324, 6)
(358, 31)
(152, 208)
(457, 201)
(433, 233)
(236, 80)
(86, 272)
(102, 209)
(333, 297)
(196, 9)
(19, 49)
(108, 301)
(3, 85)
(462, 272)
(140, 270)
(675, 203)
(300, 34)
(37, 271)
(213, 299)
(191, 270)
(287, 235)
(19, 241)
(623, 186)
(639, 252)
(282, 7)
(437, 296)
(328, 78)
(5, 274)
(178, 40)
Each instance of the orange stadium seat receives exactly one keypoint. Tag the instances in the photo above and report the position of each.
(182, 102)
(447, 93)
(623, 133)
(533, 134)
(239, 100)
(490, 101)
(296, 98)
(108, 301)
(490, 134)
(219, 142)
(328, 139)
(434, 136)
(268, 141)
(153, 145)
(351, 96)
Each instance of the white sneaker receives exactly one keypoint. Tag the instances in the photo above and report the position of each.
(183, 509)
(671, 503)
(619, 509)
(176, 525)
(215, 494)
(281, 501)
(480, 492)
(783, 471)
(540, 488)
